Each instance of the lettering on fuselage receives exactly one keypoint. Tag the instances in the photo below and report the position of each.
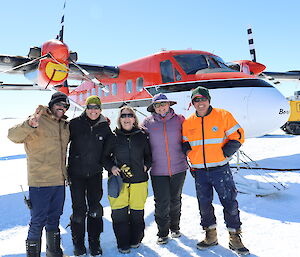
(281, 111)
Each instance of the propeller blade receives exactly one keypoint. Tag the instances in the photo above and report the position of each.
(90, 77)
(60, 35)
(253, 56)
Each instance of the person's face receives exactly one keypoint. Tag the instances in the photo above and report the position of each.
(93, 111)
(59, 109)
(161, 108)
(201, 105)
(127, 120)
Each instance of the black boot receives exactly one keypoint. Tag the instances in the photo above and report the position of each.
(94, 228)
(53, 244)
(78, 232)
(95, 248)
(33, 248)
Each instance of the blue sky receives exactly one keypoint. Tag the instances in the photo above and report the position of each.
(115, 32)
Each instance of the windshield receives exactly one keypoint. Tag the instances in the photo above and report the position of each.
(191, 63)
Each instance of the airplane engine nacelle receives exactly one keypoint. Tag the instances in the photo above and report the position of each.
(53, 70)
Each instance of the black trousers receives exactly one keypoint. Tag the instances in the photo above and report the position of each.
(86, 194)
(167, 196)
(129, 226)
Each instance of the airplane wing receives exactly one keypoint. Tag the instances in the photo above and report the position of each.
(21, 87)
(23, 64)
(289, 75)
(35, 87)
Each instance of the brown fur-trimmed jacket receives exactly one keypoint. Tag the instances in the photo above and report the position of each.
(46, 148)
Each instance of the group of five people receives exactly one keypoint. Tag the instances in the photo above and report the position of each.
(159, 146)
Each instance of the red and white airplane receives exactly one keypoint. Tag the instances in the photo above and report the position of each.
(256, 104)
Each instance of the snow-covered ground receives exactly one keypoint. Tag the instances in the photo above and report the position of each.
(271, 224)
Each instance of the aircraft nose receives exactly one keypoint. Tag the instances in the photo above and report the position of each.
(267, 109)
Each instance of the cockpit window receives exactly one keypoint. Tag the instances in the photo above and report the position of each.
(218, 61)
(191, 63)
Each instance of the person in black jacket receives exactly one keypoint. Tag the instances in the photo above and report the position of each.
(131, 158)
(90, 135)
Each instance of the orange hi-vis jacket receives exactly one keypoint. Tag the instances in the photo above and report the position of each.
(207, 135)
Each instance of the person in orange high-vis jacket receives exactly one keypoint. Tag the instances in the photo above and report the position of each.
(211, 136)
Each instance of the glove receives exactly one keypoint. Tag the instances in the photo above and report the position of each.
(126, 171)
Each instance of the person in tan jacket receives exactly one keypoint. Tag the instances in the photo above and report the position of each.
(45, 136)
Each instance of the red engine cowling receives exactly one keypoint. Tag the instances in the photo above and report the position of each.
(53, 72)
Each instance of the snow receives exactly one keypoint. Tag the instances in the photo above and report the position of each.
(271, 224)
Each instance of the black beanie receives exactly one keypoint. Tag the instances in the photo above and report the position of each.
(58, 97)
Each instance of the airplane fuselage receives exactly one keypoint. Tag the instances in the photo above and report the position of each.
(257, 105)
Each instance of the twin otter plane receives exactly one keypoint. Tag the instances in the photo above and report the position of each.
(257, 105)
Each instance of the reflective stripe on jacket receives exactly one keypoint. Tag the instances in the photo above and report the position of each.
(207, 135)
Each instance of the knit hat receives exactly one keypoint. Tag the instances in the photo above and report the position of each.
(114, 186)
(200, 92)
(158, 98)
(93, 99)
(58, 97)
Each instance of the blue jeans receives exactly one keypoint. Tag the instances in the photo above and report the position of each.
(47, 207)
(219, 178)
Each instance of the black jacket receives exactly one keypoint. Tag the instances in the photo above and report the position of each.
(133, 149)
(88, 142)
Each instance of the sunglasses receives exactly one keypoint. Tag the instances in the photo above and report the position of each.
(128, 115)
(200, 99)
(157, 105)
(91, 106)
(64, 105)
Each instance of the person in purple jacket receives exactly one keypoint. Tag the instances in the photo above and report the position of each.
(169, 165)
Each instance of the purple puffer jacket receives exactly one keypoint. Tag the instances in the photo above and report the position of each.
(166, 143)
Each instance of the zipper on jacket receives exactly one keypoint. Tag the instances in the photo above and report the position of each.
(203, 148)
(129, 150)
(167, 147)
(61, 146)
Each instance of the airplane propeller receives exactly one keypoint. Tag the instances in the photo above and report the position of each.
(73, 58)
(52, 63)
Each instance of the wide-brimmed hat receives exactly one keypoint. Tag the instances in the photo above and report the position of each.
(114, 186)
(158, 98)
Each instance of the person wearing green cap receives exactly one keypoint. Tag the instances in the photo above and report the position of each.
(90, 135)
(212, 136)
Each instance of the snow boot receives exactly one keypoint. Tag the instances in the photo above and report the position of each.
(175, 234)
(211, 238)
(235, 243)
(95, 248)
(78, 234)
(79, 249)
(53, 244)
(33, 248)
(162, 240)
